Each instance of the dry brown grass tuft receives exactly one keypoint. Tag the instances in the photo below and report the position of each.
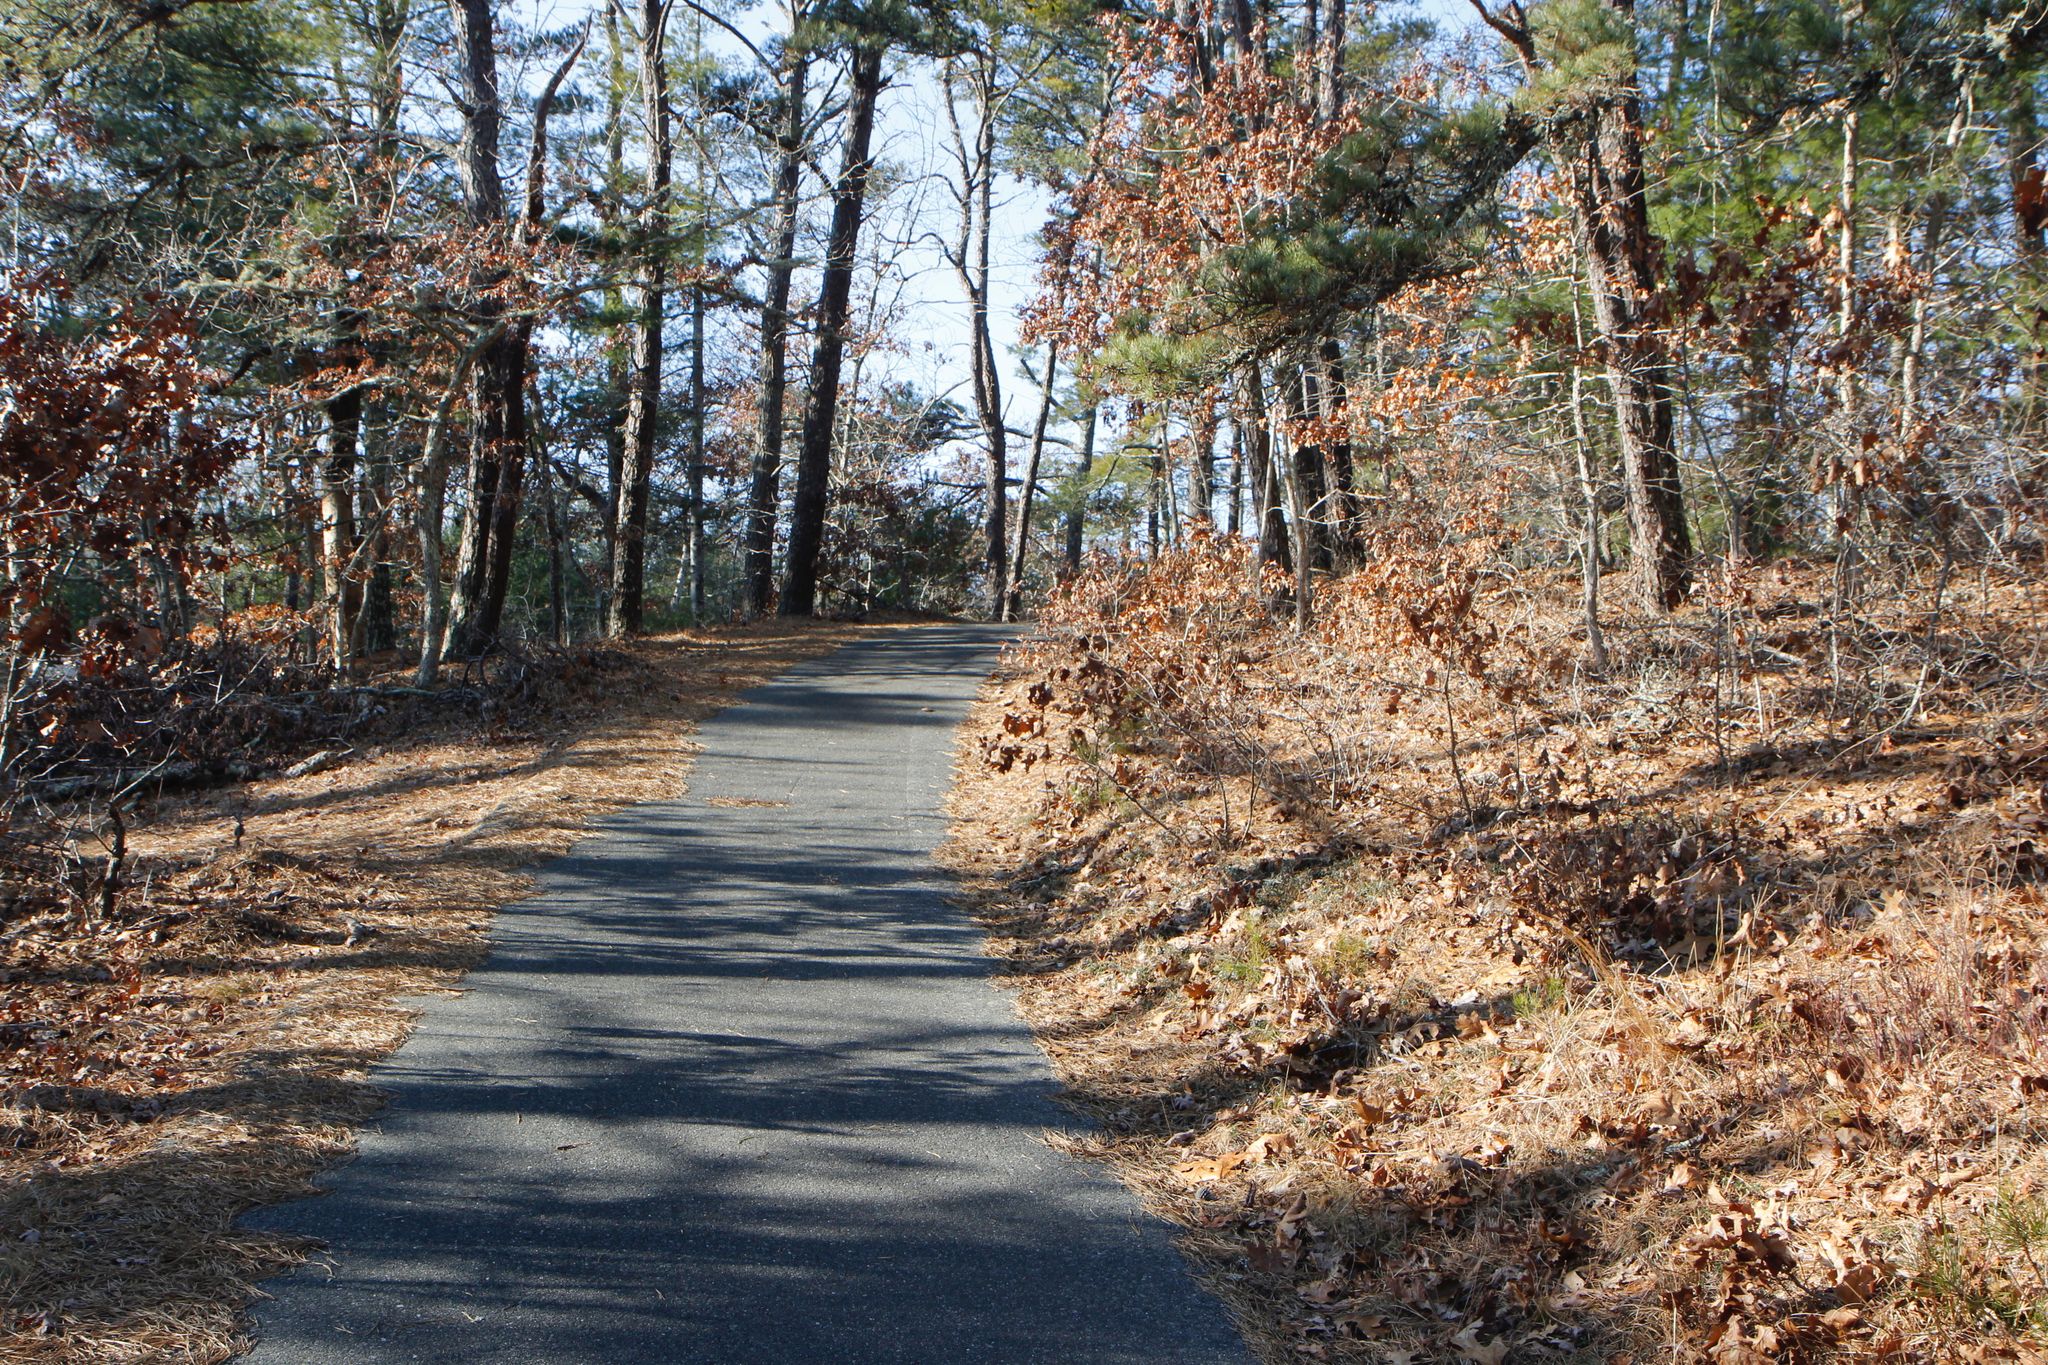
(1688, 1012)
(205, 1050)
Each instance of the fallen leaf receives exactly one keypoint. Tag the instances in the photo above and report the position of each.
(1476, 1352)
(1269, 1147)
(1203, 1170)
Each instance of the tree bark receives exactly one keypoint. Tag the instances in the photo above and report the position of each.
(617, 378)
(763, 486)
(970, 257)
(344, 413)
(497, 453)
(430, 502)
(1612, 213)
(627, 608)
(1265, 483)
(1307, 493)
(378, 626)
(828, 353)
(1013, 602)
(1202, 428)
(696, 453)
(2029, 193)
(1077, 516)
(1340, 470)
(1235, 515)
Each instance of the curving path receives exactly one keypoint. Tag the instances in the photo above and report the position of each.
(735, 1086)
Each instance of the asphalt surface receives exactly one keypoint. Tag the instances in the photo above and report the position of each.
(735, 1086)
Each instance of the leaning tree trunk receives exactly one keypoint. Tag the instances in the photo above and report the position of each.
(1613, 219)
(821, 411)
(627, 606)
(1013, 602)
(763, 484)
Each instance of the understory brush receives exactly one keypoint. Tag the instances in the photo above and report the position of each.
(1466, 1002)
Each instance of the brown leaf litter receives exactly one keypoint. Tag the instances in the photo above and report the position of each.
(1684, 1013)
(205, 1048)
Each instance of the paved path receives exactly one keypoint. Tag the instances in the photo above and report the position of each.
(734, 1087)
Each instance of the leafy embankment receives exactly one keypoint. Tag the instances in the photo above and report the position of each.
(1463, 1004)
(191, 996)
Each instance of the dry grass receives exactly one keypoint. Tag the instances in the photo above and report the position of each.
(1727, 1044)
(205, 1050)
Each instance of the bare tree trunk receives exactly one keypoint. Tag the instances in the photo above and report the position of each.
(1612, 213)
(1077, 517)
(1589, 493)
(378, 626)
(430, 502)
(617, 380)
(975, 155)
(1330, 68)
(1845, 255)
(1304, 547)
(497, 456)
(2029, 192)
(344, 414)
(627, 608)
(1308, 497)
(1155, 490)
(319, 587)
(558, 600)
(1339, 470)
(763, 485)
(1013, 602)
(1202, 428)
(696, 453)
(1916, 338)
(821, 411)
(1265, 481)
(1235, 515)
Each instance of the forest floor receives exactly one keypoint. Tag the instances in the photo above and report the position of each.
(198, 1044)
(1473, 1005)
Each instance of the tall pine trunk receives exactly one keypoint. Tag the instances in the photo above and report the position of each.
(764, 482)
(627, 607)
(617, 380)
(497, 450)
(828, 353)
(696, 453)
